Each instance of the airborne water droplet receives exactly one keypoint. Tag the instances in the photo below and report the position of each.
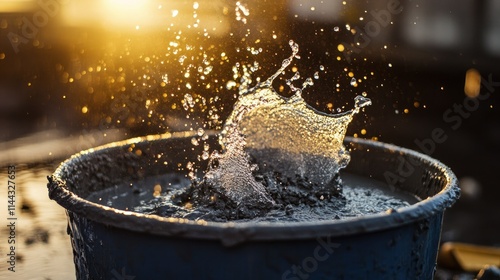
(307, 82)
(188, 101)
(353, 82)
(205, 155)
(181, 59)
(361, 101)
(286, 62)
(194, 142)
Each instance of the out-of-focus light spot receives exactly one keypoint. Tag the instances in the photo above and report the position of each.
(157, 190)
(472, 83)
(470, 188)
(2, 55)
(85, 109)
(416, 104)
(363, 131)
(175, 13)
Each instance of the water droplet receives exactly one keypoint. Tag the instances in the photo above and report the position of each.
(307, 82)
(205, 155)
(208, 69)
(230, 84)
(188, 101)
(361, 101)
(286, 62)
(182, 58)
(353, 82)
(194, 141)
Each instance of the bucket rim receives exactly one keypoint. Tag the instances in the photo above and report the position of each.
(231, 233)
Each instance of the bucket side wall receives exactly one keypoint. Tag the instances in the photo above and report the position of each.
(406, 252)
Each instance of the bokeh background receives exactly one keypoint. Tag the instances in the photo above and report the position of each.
(80, 73)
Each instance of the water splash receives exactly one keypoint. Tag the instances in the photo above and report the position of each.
(269, 133)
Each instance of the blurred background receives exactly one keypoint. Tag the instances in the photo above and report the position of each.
(75, 74)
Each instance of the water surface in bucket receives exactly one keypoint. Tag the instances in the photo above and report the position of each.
(157, 196)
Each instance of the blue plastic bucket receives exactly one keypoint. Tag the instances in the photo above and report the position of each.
(114, 244)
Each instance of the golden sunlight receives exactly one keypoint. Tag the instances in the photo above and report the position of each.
(127, 13)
